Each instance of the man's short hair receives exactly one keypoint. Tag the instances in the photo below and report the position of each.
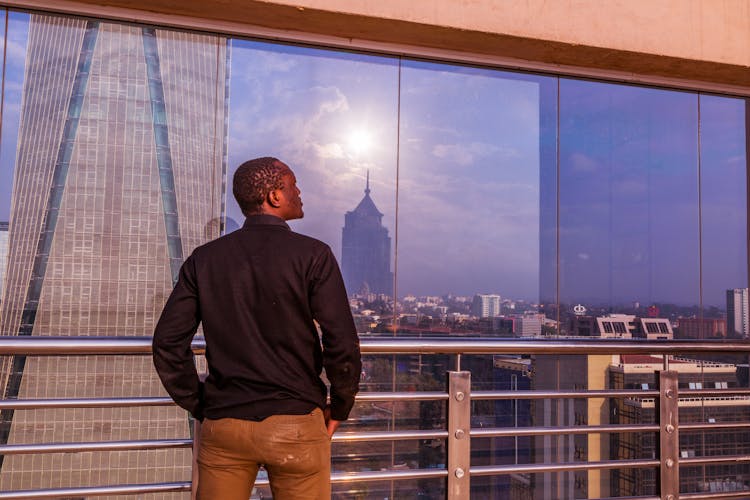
(253, 180)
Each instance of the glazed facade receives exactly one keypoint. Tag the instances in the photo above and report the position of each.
(554, 194)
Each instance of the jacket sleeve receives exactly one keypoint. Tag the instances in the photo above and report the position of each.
(173, 355)
(341, 356)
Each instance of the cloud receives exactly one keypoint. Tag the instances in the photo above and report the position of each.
(467, 154)
(330, 150)
(581, 163)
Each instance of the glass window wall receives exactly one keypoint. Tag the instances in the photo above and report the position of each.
(459, 201)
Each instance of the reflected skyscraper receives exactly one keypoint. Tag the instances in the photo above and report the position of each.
(120, 129)
(366, 249)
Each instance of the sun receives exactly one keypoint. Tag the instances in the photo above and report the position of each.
(360, 141)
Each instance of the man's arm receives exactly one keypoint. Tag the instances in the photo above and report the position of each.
(341, 356)
(173, 356)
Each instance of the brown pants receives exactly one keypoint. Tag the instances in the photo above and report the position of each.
(294, 449)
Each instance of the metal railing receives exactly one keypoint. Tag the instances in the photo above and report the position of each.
(458, 433)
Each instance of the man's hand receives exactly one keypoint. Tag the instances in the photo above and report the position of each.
(331, 424)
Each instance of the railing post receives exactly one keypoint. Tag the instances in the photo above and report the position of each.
(459, 441)
(669, 436)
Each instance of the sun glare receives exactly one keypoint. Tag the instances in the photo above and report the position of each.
(359, 141)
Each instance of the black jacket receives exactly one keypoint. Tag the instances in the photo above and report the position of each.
(258, 292)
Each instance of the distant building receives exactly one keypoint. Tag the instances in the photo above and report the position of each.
(701, 328)
(624, 326)
(637, 372)
(654, 329)
(578, 372)
(3, 254)
(528, 325)
(738, 319)
(366, 249)
(583, 326)
(485, 306)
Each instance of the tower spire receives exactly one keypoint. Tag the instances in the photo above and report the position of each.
(367, 186)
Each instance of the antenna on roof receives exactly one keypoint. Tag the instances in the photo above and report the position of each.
(367, 186)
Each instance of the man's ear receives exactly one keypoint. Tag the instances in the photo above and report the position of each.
(273, 198)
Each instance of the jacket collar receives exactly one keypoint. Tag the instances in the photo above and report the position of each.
(265, 220)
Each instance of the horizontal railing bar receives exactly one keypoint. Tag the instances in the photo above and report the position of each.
(389, 475)
(489, 470)
(489, 395)
(156, 444)
(49, 345)
(402, 396)
(95, 491)
(713, 393)
(629, 498)
(723, 459)
(352, 437)
(560, 431)
(33, 404)
(708, 426)
(742, 495)
(347, 477)
(481, 345)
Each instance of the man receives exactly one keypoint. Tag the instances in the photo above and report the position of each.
(258, 292)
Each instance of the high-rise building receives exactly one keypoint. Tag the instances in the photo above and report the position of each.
(366, 249)
(485, 305)
(738, 316)
(635, 371)
(570, 373)
(3, 254)
(110, 194)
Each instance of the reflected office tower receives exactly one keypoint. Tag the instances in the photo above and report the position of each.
(118, 171)
(738, 316)
(366, 249)
(3, 255)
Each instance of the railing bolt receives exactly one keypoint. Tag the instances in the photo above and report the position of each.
(669, 393)
(459, 473)
(670, 497)
(460, 434)
(669, 428)
(460, 396)
(669, 462)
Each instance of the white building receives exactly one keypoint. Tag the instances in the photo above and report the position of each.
(738, 320)
(485, 306)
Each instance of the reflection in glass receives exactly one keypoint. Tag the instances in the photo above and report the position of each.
(104, 198)
(723, 217)
(13, 64)
(332, 118)
(469, 201)
(628, 200)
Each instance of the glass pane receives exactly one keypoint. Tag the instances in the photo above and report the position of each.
(14, 61)
(629, 221)
(98, 223)
(332, 118)
(723, 219)
(469, 201)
